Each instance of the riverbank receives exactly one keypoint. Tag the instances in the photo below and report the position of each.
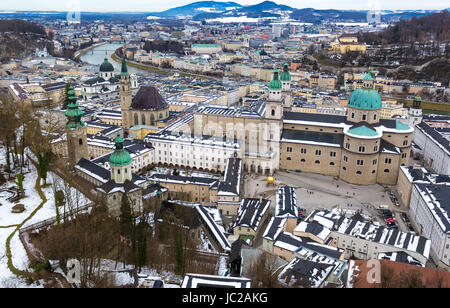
(80, 53)
(159, 70)
(427, 106)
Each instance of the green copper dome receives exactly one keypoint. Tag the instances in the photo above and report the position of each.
(275, 84)
(106, 66)
(363, 131)
(365, 99)
(120, 157)
(285, 76)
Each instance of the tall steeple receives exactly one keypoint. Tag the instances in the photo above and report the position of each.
(75, 130)
(124, 70)
(73, 112)
(125, 92)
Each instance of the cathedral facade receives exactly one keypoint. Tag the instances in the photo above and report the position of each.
(359, 148)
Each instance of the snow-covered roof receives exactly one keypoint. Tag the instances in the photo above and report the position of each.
(286, 202)
(216, 230)
(199, 281)
(251, 212)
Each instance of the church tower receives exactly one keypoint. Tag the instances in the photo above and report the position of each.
(285, 78)
(274, 109)
(75, 130)
(120, 162)
(125, 93)
(415, 112)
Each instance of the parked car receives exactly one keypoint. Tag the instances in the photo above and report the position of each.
(405, 217)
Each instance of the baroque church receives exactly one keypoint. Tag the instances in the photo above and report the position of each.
(106, 85)
(145, 108)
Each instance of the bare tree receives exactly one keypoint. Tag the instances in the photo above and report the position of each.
(263, 271)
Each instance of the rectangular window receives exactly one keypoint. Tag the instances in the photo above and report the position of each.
(318, 152)
(387, 160)
(360, 162)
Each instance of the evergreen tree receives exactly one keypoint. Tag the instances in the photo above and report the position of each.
(179, 255)
(126, 218)
(8, 158)
(141, 237)
(44, 164)
(66, 99)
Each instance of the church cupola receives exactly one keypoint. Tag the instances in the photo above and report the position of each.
(120, 162)
(364, 103)
(106, 69)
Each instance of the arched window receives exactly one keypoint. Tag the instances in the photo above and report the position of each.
(143, 119)
(152, 119)
(80, 141)
(273, 112)
(303, 160)
(373, 171)
(358, 172)
(160, 115)
(332, 163)
(317, 162)
(344, 168)
(386, 170)
(136, 119)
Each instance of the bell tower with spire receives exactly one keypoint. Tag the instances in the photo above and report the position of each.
(125, 92)
(274, 105)
(415, 111)
(75, 130)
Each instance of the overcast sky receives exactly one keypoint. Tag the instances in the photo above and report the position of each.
(158, 5)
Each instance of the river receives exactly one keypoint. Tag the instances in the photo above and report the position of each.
(97, 55)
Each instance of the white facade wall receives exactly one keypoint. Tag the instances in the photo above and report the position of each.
(191, 155)
(434, 155)
(426, 223)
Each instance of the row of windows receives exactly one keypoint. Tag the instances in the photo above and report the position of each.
(317, 152)
(361, 148)
(360, 172)
(316, 162)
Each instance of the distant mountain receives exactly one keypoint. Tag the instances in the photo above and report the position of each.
(203, 10)
(199, 8)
